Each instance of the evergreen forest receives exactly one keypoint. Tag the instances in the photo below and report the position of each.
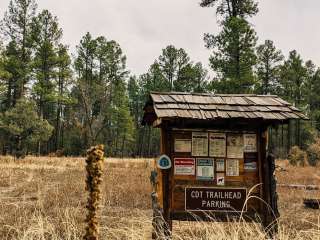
(54, 101)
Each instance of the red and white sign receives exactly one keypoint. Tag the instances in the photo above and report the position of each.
(184, 166)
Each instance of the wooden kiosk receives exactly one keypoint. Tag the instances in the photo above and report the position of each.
(215, 163)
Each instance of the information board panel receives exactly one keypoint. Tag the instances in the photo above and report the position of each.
(217, 144)
(235, 146)
(232, 167)
(182, 145)
(250, 162)
(199, 144)
(220, 165)
(250, 142)
(215, 199)
(184, 166)
(205, 169)
(220, 179)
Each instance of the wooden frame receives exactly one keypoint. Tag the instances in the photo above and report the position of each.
(170, 186)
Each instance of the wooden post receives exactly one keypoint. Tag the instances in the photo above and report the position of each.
(162, 223)
(166, 149)
(273, 213)
(269, 189)
(261, 144)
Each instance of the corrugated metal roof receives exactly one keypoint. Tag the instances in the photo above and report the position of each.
(214, 106)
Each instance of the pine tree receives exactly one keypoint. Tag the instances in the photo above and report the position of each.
(174, 71)
(269, 60)
(16, 26)
(311, 93)
(293, 79)
(101, 83)
(172, 62)
(232, 8)
(121, 121)
(23, 126)
(64, 98)
(293, 76)
(46, 34)
(4, 76)
(233, 48)
(135, 100)
(86, 87)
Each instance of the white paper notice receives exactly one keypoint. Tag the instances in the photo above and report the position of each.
(182, 145)
(217, 144)
(199, 144)
(220, 165)
(205, 169)
(250, 142)
(220, 179)
(250, 166)
(235, 146)
(232, 167)
(184, 166)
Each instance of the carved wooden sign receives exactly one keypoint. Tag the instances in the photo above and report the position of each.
(215, 199)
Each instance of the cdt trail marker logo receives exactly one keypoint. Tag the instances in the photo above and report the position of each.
(164, 162)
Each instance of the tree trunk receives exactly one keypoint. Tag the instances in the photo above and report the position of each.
(289, 138)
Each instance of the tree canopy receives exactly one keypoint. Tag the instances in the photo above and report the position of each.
(52, 100)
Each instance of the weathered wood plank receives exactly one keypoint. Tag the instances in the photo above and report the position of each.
(156, 98)
(222, 114)
(178, 98)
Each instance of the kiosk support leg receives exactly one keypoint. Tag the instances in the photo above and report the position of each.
(161, 222)
(271, 223)
(158, 222)
(161, 225)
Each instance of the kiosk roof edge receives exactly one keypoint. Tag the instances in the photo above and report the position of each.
(207, 106)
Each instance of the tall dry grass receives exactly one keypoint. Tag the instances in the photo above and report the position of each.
(45, 198)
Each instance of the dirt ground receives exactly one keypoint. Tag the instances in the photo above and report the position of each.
(44, 198)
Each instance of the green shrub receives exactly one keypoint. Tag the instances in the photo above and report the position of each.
(313, 153)
(297, 157)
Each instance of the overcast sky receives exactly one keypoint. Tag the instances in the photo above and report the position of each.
(144, 27)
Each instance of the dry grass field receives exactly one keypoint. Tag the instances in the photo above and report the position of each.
(44, 198)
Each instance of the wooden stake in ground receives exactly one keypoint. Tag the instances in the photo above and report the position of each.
(94, 169)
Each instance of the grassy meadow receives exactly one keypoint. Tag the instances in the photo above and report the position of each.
(44, 198)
